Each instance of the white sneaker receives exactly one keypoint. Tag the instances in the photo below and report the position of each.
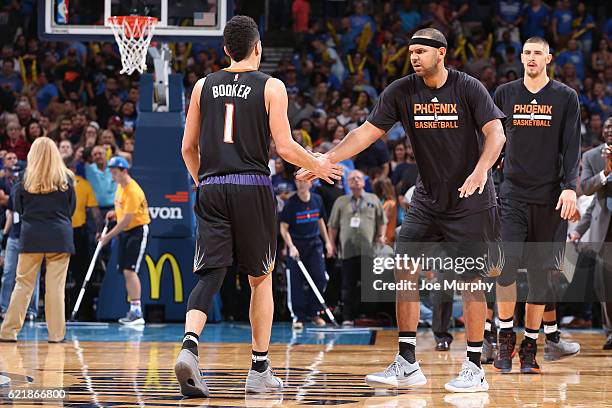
(400, 373)
(188, 375)
(471, 379)
(132, 319)
(265, 382)
(560, 350)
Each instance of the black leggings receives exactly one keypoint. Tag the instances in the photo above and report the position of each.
(210, 282)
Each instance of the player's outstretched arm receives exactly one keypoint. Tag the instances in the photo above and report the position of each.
(494, 142)
(190, 148)
(287, 148)
(356, 141)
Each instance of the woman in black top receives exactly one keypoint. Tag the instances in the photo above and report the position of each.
(45, 201)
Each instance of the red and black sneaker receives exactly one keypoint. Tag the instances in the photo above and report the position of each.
(506, 342)
(527, 354)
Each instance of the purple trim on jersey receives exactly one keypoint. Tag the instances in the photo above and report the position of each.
(241, 179)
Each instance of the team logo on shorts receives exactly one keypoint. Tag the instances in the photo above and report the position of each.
(495, 259)
(268, 263)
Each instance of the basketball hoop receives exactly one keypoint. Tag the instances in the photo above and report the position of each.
(133, 34)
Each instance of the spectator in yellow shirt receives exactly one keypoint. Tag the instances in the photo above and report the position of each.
(132, 215)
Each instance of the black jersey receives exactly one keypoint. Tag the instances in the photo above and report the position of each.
(235, 130)
(444, 127)
(543, 141)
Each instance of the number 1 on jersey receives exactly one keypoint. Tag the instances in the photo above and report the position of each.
(228, 127)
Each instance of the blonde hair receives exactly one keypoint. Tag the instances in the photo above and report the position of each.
(46, 171)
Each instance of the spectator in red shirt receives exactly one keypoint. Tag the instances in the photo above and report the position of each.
(15, 142)
(301, 14)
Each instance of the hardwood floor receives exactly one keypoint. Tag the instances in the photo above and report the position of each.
(132, 374)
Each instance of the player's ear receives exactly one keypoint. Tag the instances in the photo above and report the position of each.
(226, 51)
(442, 52)
(258, 47)
(549, 58)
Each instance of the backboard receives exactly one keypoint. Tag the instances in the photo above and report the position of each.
(87, 20)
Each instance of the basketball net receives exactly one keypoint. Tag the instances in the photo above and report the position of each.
(133, 35)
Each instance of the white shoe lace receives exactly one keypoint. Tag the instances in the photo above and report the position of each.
(466, 374)
(394, 369)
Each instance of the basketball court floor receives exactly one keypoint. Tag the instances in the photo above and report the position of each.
(111, 366)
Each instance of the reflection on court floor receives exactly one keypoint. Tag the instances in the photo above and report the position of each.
(326, 369)
(215, 333)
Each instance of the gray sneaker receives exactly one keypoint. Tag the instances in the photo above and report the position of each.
(132, 319)
(188, 375)
(471, 379)
(488, 351)
(400, 373)
(557, 351)
(257, 382)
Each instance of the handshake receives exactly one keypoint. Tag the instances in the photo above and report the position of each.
(322, 166)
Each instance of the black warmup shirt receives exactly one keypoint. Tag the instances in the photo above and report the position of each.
(542, 141)
(235, 131)
(444, 128)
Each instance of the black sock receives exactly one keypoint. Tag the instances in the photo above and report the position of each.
(552, 333)
(407, 346)
(533, 333)
(554, 337)
(504, 322)
(259, 361)
(474, 350)
(190, 342)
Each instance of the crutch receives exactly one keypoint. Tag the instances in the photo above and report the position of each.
(316, 292)
(89, 272)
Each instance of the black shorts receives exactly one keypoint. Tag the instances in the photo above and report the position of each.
(533, 233)
(132, 246)
(236, 223)
(472, 235)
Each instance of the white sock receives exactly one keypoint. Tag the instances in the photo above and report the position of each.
(190, 337)
(532, 335)
(487, 326)
(135, 306)
(506, 325)
(409, 340)
(550, 329)
(474, 349)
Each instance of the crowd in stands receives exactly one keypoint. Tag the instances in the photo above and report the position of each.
(345, 53)
(341, 64)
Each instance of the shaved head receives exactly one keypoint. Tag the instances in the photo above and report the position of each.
(539, 40)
